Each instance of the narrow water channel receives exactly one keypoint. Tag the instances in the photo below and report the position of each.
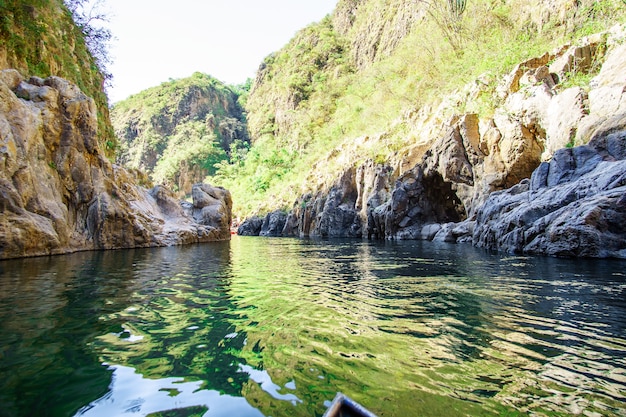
(276, 327)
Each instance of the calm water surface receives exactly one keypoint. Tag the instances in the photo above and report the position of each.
(276, 327)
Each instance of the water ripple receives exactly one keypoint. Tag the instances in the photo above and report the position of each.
(278, 326)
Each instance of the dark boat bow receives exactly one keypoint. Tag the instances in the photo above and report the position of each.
(343, 406)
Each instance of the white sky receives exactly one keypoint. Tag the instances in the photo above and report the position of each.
(156, 40)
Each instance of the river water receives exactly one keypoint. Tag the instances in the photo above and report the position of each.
(276, 327)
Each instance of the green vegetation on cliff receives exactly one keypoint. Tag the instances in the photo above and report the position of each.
(180, 130)
(358, 75)
(358, 71)
(40, 38)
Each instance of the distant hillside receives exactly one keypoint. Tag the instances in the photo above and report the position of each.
(39, 38)
(59, 191)
(363, 73)
(179, 130)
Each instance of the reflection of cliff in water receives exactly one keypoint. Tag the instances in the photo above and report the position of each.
(278, 326)
(170, 318)
(368, 309)
(49, 314)
(180, 320)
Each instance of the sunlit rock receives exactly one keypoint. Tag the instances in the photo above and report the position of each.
(574, 205)
(58, 192)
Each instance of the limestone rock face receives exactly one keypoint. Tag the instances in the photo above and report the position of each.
(374, 34)
(344, 210)
(212, 207)
(58, 193)
(329, 213)
(456, 175)
(272, 225)
(513, 181)
(574, 205)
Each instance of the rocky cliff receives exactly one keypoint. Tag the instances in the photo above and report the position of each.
(40, 38)
(59, 193)
(442, 186)
(574, 205)
(380, 79)
(178, 131)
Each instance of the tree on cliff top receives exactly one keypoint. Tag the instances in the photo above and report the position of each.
(89, 17)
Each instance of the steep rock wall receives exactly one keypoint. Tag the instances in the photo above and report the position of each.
(450, 173)
(357, 34)
(41, 38)
(58, 192)
(574, 205)
(375, 28)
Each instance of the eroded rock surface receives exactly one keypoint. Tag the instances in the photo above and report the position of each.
(465, 177)
(574, 205)
(59, 194)
(250, 227)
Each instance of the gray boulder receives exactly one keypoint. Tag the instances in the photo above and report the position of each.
(251, 226)
(574, 205)
(273, 224)
(212, 206)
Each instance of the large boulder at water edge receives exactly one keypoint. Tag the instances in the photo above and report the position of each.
(59, 194)
(574, 205)
(273, 224)
(251, 226)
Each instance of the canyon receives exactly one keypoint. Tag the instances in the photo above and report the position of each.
(60, 194)
(515, 182)
(531, 161)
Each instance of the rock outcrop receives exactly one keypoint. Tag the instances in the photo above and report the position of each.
(42, 38)
(273, 224)
(373, 33)
(345, 210)
(574, 205)
(450, 185)
(251, 226)
(59, 194)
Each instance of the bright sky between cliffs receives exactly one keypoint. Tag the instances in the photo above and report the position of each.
(156, 40)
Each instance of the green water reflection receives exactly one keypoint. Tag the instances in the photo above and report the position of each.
(276, 327)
